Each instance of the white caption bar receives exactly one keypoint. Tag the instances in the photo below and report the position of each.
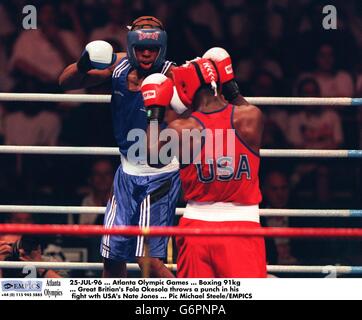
(181, 289)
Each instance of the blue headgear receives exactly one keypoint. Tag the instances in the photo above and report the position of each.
(147, 38)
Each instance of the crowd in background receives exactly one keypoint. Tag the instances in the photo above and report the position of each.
(278, 47)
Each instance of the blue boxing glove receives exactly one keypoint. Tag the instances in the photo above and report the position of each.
(96, 55)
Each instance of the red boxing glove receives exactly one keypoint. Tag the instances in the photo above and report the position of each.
(222, 61)
(157, 92)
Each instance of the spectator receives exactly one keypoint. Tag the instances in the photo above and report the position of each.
(264, 84)
(164, 10)
(276, 194)
(6, 81)
(6, 240)
(273, 136)
(84, 125)
(9, 251)
(239, 31)
(270, 26)
(70, 11)
(359, 94)
(5, 249)
(27, 249)
(7, 32)
(332, 81)
(314, 127)
(43, 53)
(7, 26)
(182, 30)
(116, 29)
(32, 126)
(359, 85)
(354, 20)
(16, 218)
(204, 12)
(100, 183)
(259, 59)
(2, 120)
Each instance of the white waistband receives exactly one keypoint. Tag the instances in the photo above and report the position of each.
(221, 211)
(144, 169)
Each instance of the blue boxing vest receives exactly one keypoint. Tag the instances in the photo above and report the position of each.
(128, 112)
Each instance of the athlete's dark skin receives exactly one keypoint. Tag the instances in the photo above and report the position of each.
(247, 121)
(72, 78)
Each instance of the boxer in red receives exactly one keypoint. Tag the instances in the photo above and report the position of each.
(220, 183)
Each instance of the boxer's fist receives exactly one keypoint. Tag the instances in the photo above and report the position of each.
(157, 92)
(157, 89)
(221, 57)
(222, 61)
(96, 55)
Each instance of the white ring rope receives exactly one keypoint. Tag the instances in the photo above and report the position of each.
(180, 211)
(110, 151)
(98, 98)
(95, 151)
(88, 98)
(51, 97)
(134, 267)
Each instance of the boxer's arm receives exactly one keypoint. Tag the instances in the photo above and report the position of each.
(72, 78)
(158, 95)
(248, 122)
(231, 89)
(176, 127)
(187, 141)
(157, 91)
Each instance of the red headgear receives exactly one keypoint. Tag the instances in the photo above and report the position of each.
(191, 76)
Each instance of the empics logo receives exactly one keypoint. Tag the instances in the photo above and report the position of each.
(22, 286)
(7, 286)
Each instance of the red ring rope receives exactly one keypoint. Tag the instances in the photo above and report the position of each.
(81, 230)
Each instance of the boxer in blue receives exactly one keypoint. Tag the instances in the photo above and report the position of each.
(142, 195)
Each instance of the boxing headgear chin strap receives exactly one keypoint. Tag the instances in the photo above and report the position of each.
(191, 76)
(155, 38)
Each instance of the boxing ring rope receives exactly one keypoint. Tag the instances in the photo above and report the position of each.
(100, 98)
(110, 151)
(172, 231)
(168, 231)
(154, 231)
(134, 267)
(180, 211)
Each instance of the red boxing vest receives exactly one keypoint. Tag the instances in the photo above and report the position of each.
(226, 172)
